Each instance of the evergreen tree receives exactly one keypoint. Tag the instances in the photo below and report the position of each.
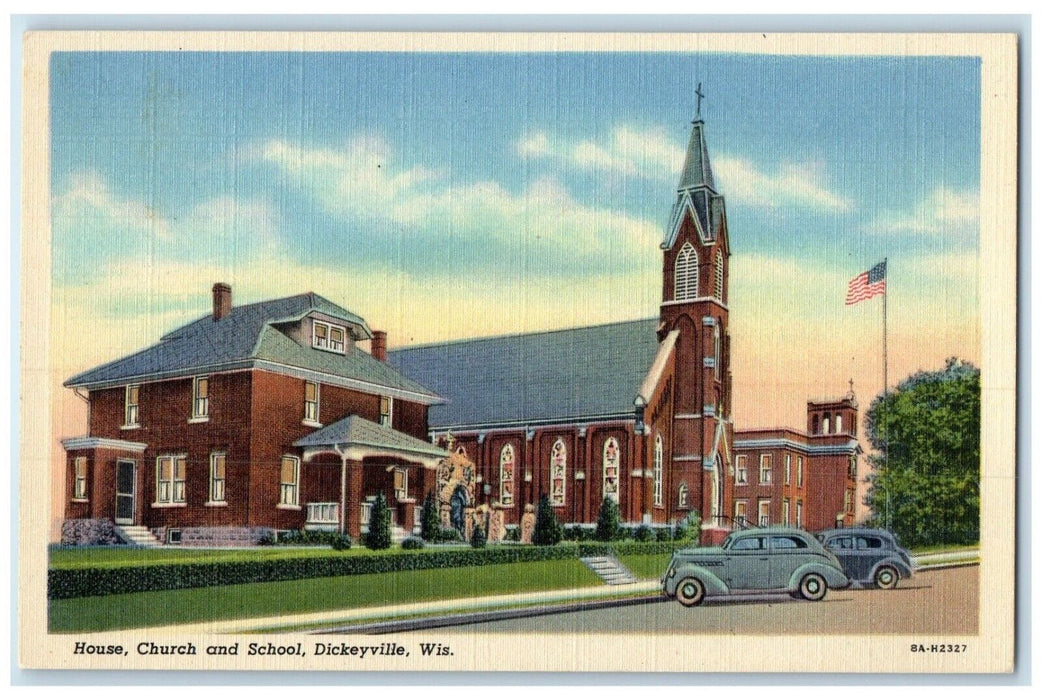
(926, 433)
(478, 538)
(430, 523)
(547, 530)
(608, 521)
(379, 535)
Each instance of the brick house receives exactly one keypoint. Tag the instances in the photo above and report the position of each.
(252, 418)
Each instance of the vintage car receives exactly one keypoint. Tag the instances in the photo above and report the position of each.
(754, 560)
(869, 556)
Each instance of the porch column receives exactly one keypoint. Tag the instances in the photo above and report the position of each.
(353, 499)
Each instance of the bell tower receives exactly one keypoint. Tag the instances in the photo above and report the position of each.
(695, 261)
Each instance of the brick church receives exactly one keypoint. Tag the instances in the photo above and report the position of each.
(268, 416)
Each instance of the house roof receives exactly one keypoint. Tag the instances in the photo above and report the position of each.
(366, 438)
(566, 375)
(250, 336)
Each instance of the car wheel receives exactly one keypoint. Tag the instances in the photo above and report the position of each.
(690, 592)
(813, 587)
(886, 577)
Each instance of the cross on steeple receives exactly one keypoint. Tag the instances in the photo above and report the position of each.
(698, 110)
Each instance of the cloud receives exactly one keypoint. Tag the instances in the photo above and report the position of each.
(651, 153)
(943, 212)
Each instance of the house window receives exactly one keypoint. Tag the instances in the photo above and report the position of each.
(170, 479)
(401, 484)
(718, 278)
(200, 397)
(130, 406)
(799, 513)
(386, 409)
(785, 512)
(765, 469)
(326, 336)
(79, 484)
(656, 471)
(799, 471)
(558, 471)
(506, 475)
(788, 469)
(685, 274)
(217, 475)
(682, 495)
(289, 482)
(839, 422)
(741, 476)
(740, 512)
(610, 469)
(765, 513)
(311, 397)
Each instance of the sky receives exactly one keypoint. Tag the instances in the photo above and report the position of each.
(445, 196)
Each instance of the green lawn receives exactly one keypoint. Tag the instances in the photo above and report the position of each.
(646, 565)
(158, 608)
(942, 548)
(115, 557)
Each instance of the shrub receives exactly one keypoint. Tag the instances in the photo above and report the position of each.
(430, 523)
(448, 534)
(267, 539)
(547, 530)
(379, 535)
(341, 542)
(608, 521)
(478, 538)
(644, 534)
(413, 543)
(664, 534)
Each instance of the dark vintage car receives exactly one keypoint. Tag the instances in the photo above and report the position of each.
(754, 560)
(869, 556)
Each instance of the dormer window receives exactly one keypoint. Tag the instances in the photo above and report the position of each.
(200, 398)
(326, 336)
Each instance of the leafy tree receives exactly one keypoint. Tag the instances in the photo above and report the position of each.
(926, 433)
(430, 523)
(608, 521)
(379, 535)
(547, 530)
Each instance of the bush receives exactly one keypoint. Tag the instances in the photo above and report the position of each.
(547, 531)
(430, 523)
(267, 539)
(478, 538)
(413, 543)
(664, 534)
(644, 534)
(448, 535)
(341, 542)
(608, 521)
(379, 535)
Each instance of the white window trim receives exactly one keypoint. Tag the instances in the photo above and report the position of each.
(744, 515)
(718, 277)
(766, 469)
(656, 472)
(173, 471)
(788, 468)
(127, 425)
(313, 422)
(741, 466)
(404, 491)
(387, 420)
(763, 519)
(77, 495)
(683, 495)
(315, 324)
(799, 471)
(296, 483)
(799, 513)
(685, 268)
(213, 501)
(197, 416)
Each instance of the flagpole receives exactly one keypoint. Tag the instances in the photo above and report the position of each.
(886, 389)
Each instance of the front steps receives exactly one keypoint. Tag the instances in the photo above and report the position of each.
(138, 535)
(610, 569)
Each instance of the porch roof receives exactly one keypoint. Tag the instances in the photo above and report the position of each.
(356, 438)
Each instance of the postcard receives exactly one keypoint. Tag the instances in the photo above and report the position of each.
(518, 352)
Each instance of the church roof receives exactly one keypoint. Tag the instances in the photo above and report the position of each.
(697, 171)
(535, 378)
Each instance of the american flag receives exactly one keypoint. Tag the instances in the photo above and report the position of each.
(867, 284)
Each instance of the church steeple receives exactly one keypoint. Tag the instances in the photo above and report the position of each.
(697, 173)
(696, 191)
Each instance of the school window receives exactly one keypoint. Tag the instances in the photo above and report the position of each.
(785, 512)
(685, 274)
(739, 512)
(558, 472)
(217, 476)
(401, 484)
(311, 394)
(326, 336)
(799, 471)
(765, 469)
(741, 472)
(656, 471)
(130, 406)
(765, 513)
(200, 397)
(506, 475)
(386, 409)
(799, 513)
(170, 479)
(289, 482)
(79, 484)
(788, 469)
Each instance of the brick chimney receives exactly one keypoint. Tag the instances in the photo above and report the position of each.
(378, 347)
(222, 300)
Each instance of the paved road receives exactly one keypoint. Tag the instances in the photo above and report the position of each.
(938, 601)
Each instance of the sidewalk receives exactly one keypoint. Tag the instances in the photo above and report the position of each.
(329, 618)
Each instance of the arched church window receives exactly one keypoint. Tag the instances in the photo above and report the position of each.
(718, 277)
(685, 274)
(610, 470)
(656, 471)
(825, 424)
(716, 350)
(839, 423)
(506, 475)
(558, 472)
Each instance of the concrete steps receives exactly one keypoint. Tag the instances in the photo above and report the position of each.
(138, 535)
(610, 570)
